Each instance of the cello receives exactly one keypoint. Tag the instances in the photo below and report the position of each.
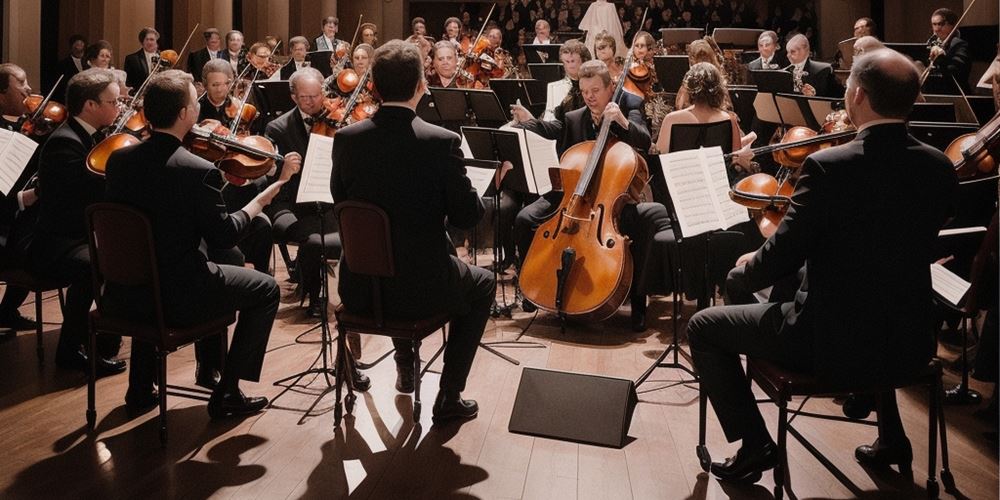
(582, 242)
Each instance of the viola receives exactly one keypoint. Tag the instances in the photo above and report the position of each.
(247, 113)
(44, 115)
(975, 155)
(243, 158)
(639, 79)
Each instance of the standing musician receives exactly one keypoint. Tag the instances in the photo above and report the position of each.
(812, 78)
(260, 57)
(180, 193)
(418, 27)
(883, 243)
(72, 64)
(415, 171)
(298, 46)
(564, 95)
(327, 40)
(139, 63)
(951, 63)
(59, 249)
(640, 222)
(864, 26)
(211, 51)
(770, 55)
(360, 60)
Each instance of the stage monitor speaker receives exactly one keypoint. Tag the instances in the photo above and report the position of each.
(574, 407)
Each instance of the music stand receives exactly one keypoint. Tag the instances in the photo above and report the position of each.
(915, 51)
(531, 93)
(961, 104)
(274, 99)
(670, 71)
(939, 135)
(547, 72)
(534, 53)
(736, 38)
(427, 111)
(846, 48)
(320, 59)
(461, 106)
(681, 36)
(770, 82)
(749, 56)
(568, 35)
(933, 112)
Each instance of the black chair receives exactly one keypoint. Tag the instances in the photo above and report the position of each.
(122, 254)
(366, 235)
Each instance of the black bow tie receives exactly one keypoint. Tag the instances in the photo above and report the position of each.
(97, 136)
(309, 121)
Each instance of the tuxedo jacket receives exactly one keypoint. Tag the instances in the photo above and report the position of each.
(778, 61)
(863, 220)
(319, 43)
(288, 133)
(414, 171)
(288, 69)
(578, 126)
(198, 59)
(136, 69)
(955, 62)
(820, 76)
(181, 195)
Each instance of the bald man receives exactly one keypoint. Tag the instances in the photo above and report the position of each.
(866, 44)
(817, 77)
(883, 245)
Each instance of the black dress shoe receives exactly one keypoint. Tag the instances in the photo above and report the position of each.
(314, 310)
(639, 315)
(404, 379)
(361, 381)
(17, 322)
(78, 361)
(233, 404)
(453, 407)
(528, 307)
(748, 465)
(881, 456)
(206, 377)
(139, 403)
(859, 406)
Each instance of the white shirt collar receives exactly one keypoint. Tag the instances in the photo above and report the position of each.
(540, 42)
(86, 126)
(801, 66)
(885, 121)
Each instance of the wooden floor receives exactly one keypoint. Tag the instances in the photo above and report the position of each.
(292, 451)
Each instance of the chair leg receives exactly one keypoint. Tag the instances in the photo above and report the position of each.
(416, 381)
(91, 376)
(39, 329)
(62, 299)
(163, 396)
(704, 457)
(781, 469)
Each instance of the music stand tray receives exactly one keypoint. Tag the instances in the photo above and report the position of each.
(551, 50)
(773, 81)
(531, 93)
(547, 72)
(681, 36)
(320, 59)
(508, 148)
(670, 71)
(846, 49)
(275, 99)
(736, 38)
(453, 105)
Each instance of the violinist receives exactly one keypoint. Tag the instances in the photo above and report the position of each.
(260, 58)
(640, 222)
(360, 59)
(235, 51)
(700, 51)
(452, 31)
(418, 27)
(811, 78)
(605, 46)
(642, 75)
(425, 47)
(99, 55)
(445, 72)
(369, 34)
(327, 40)
(59, 250)
(951, 63)
(212, 50)
(216, 76)
(72, 64)
(139, 63)
(180, 193)
(297, 47)
(564, 95)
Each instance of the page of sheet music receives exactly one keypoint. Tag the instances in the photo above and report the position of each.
(481, 178)
(522, 142)
(15, 152)
(466, 150)
(314, 184)
(732, 213)
(691, 192)
(542, 155)
(948, 285)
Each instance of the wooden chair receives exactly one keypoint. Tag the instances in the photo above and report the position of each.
(23, 278)
(366, 236)
(781, 385)
(122, 254)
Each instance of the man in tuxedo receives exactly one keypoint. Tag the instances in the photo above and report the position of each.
(139, 63)
(211, 50)
(864, 26)
(564, 95)
(72, 64)
(883, 245)
(59, 249)
(951, 62)
(770, 56)
(414, 171)
(234, 52)
(180, 193)
(817, 77)
(640, 222)
(327, 40)
(297, 47)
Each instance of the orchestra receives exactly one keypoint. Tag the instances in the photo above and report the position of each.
(608, 117)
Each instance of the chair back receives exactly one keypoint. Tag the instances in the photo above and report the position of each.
(122, 252)
(685, 136)
(366, 237)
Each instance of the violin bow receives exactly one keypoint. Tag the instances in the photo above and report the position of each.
(186, 42)
(356, 31)
(481, 30)
(41, 107)
(944, 43)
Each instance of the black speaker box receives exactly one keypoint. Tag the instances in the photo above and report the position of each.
(573, 407)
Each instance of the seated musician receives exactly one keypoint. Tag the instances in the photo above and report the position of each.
(298, 46)
(564, 95)
(180, 193)
(812, 78)
(369, 34)
(604, 45)
(426, 47)
(866, 44)
(952, 62)
(640, 222)
(234, 52)
(445, 72)
(260, 57)
(700, 51)
(452, 31)
(360, 58)
(770, 56)
(642, 73)
(831, 329)
(59, 250)
(414, 171)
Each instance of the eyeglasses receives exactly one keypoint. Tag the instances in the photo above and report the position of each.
(309, 97)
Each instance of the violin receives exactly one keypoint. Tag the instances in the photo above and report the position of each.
(975, 155)
(242, 158)
(639, 79)
(44, 115)
(247, 113)
(324, 123)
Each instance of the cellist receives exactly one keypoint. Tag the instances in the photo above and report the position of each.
(639, 222)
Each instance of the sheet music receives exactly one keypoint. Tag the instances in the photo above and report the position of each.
(538, 155)
(466, 150)
(699, 188)
(948, 284)
(481, 178)
(314, 184)
(961, 230)
(732, 213)
(15, 152)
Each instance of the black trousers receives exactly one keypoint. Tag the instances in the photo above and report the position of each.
(304, 229)
(254, 247)
(13, 297)
(255, 296)
(476, 287)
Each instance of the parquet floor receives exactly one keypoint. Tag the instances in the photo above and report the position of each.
(292, 451)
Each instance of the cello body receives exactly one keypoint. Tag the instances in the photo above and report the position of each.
(585, 225)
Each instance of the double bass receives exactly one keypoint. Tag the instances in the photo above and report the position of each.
(579, 264)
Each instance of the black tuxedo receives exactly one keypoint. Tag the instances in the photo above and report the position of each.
(67, 68)
(136, 69)
(954, 63)
(198, 59)
(862, 314)
(288, 69)
(778, 61)
(820, 76)
(414, 171)
(180, 193)
(320, 43)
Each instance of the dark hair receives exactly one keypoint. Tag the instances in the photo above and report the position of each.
(869, 22)
(7, 70)
(209, 32)
(93, 50)
(397, 68)
(706, 84)
(891, 88)
(415, 21)
(87, 85)
(167, 94)
(576, 47)
(331, 20)
(73, 39)
(948, 15)
(595, 68)
(147, 30)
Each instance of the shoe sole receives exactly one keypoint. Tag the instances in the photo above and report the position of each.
(441, 420)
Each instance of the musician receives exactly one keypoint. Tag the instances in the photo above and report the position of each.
(606, 48)
(234, 51)
(327, 40)
(701, 51)
(72, 64)
(951, 62)
(418, 27)
(139, 63)
(564, 95)
(816, 77)
(830, 329)
(640, 222)
(211, 50)
(369, 34)
(298, 46)
(770, 56)
(180, 194)
(59, 249)
(642, 55)
(360, 59)
(426, 47)
(543, 33)
(864, 26)
(866, 44)
(452, 30)
(445, 72)
(413, 171)
(260, 58)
